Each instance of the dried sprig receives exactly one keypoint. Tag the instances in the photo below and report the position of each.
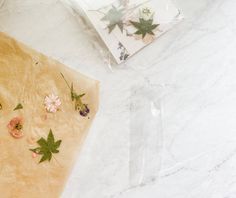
(76, 98)
(124, 54)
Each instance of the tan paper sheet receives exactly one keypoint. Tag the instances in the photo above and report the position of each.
(26, 77)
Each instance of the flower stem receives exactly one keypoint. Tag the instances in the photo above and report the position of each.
(65, 81)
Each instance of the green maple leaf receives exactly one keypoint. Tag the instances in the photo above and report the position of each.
(144, 27)
(19, 106)
(115, 18)
(47, 147)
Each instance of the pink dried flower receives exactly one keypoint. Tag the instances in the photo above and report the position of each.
(52, 103)
(15, 127)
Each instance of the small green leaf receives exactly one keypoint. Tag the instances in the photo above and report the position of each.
(115, 18)
(19, 106)
(144, 27)
(47, 147)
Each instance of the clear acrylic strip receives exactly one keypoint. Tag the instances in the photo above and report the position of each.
(145, 135)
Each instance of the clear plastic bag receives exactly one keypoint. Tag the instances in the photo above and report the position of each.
(122, 28)
(145, 135)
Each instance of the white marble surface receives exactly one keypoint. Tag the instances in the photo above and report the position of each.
(193, 64)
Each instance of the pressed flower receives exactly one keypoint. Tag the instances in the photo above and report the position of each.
(15, 127)
(34, 155)
(79, 105)
(146, 13)
(52, 103)
(84, 110)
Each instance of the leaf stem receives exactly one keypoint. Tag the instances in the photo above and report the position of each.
(99, 11)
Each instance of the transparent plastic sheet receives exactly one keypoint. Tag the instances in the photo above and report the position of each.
(145, 135)
(117, 26)
(88, 29)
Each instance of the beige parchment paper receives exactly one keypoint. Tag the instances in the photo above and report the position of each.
(26, 77)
